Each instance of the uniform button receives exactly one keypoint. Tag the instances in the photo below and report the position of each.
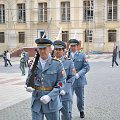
(42, 75)
(42, 78)
(42, 83)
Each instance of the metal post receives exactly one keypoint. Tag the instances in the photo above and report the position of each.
(86, 27)
(31, 37)
(112, 9)
(7, 21)
(89, 22)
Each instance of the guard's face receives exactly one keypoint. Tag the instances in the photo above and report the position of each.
(59, 52)
(73, 48)
(44, 52)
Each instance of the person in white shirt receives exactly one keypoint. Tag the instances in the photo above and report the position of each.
(8, 57)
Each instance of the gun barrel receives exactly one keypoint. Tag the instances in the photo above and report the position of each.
(32, 72)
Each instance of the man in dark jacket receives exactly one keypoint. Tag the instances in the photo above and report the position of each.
(114, 56)
(5, 58)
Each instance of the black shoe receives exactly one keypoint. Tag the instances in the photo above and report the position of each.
(82, 115)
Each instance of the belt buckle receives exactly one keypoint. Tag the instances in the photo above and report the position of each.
(43, 88)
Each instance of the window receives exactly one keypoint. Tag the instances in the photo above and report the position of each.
(2, 37)
(65, 11)
(112, 10)
(42, 13)
(41, 33)
(111, 35)
(65, 36)
(2, 14)
(88, 10)
(21, 13)
(88, 35)
(21, 37)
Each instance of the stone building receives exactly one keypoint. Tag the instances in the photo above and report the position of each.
(96, 23)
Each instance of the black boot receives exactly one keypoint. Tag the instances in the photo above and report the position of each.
(82, 115)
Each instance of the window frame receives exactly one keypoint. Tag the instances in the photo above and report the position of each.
(111, 7)
(88, 11)
(65, 11)
(2, 37)
(2, 13)
(88, 35)
(40, 33)
(21, 37)
(42, 12)
(114, 36)
(65, 36)
(21, 13)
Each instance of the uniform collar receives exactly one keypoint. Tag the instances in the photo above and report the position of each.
(48, 62)
(62, 58)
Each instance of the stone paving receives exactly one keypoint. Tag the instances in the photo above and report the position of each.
(12, 84)
(102, 94)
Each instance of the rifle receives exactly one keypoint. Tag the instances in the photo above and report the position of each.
(69, 51)
(32, 71)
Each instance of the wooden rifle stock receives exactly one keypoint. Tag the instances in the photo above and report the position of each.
(32, 72)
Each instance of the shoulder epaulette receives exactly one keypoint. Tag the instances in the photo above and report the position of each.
(80, 52)
(56, 59)
(67, 58)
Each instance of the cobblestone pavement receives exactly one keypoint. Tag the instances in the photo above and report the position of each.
(102, 94)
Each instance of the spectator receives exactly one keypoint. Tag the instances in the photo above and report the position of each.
(8, 57)
(119, 50)
(5, 59)
(114, 56)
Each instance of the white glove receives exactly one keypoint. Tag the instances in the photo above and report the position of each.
(62, 92)
(77, 76)
(45, 99)
(29, 89)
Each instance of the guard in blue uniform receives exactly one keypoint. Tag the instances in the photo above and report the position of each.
(66, 92)
(50, 76)
(82, 67)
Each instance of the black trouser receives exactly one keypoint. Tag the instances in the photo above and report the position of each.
(119, 54)
(5, 61)
(114, 61)
(9, 62)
